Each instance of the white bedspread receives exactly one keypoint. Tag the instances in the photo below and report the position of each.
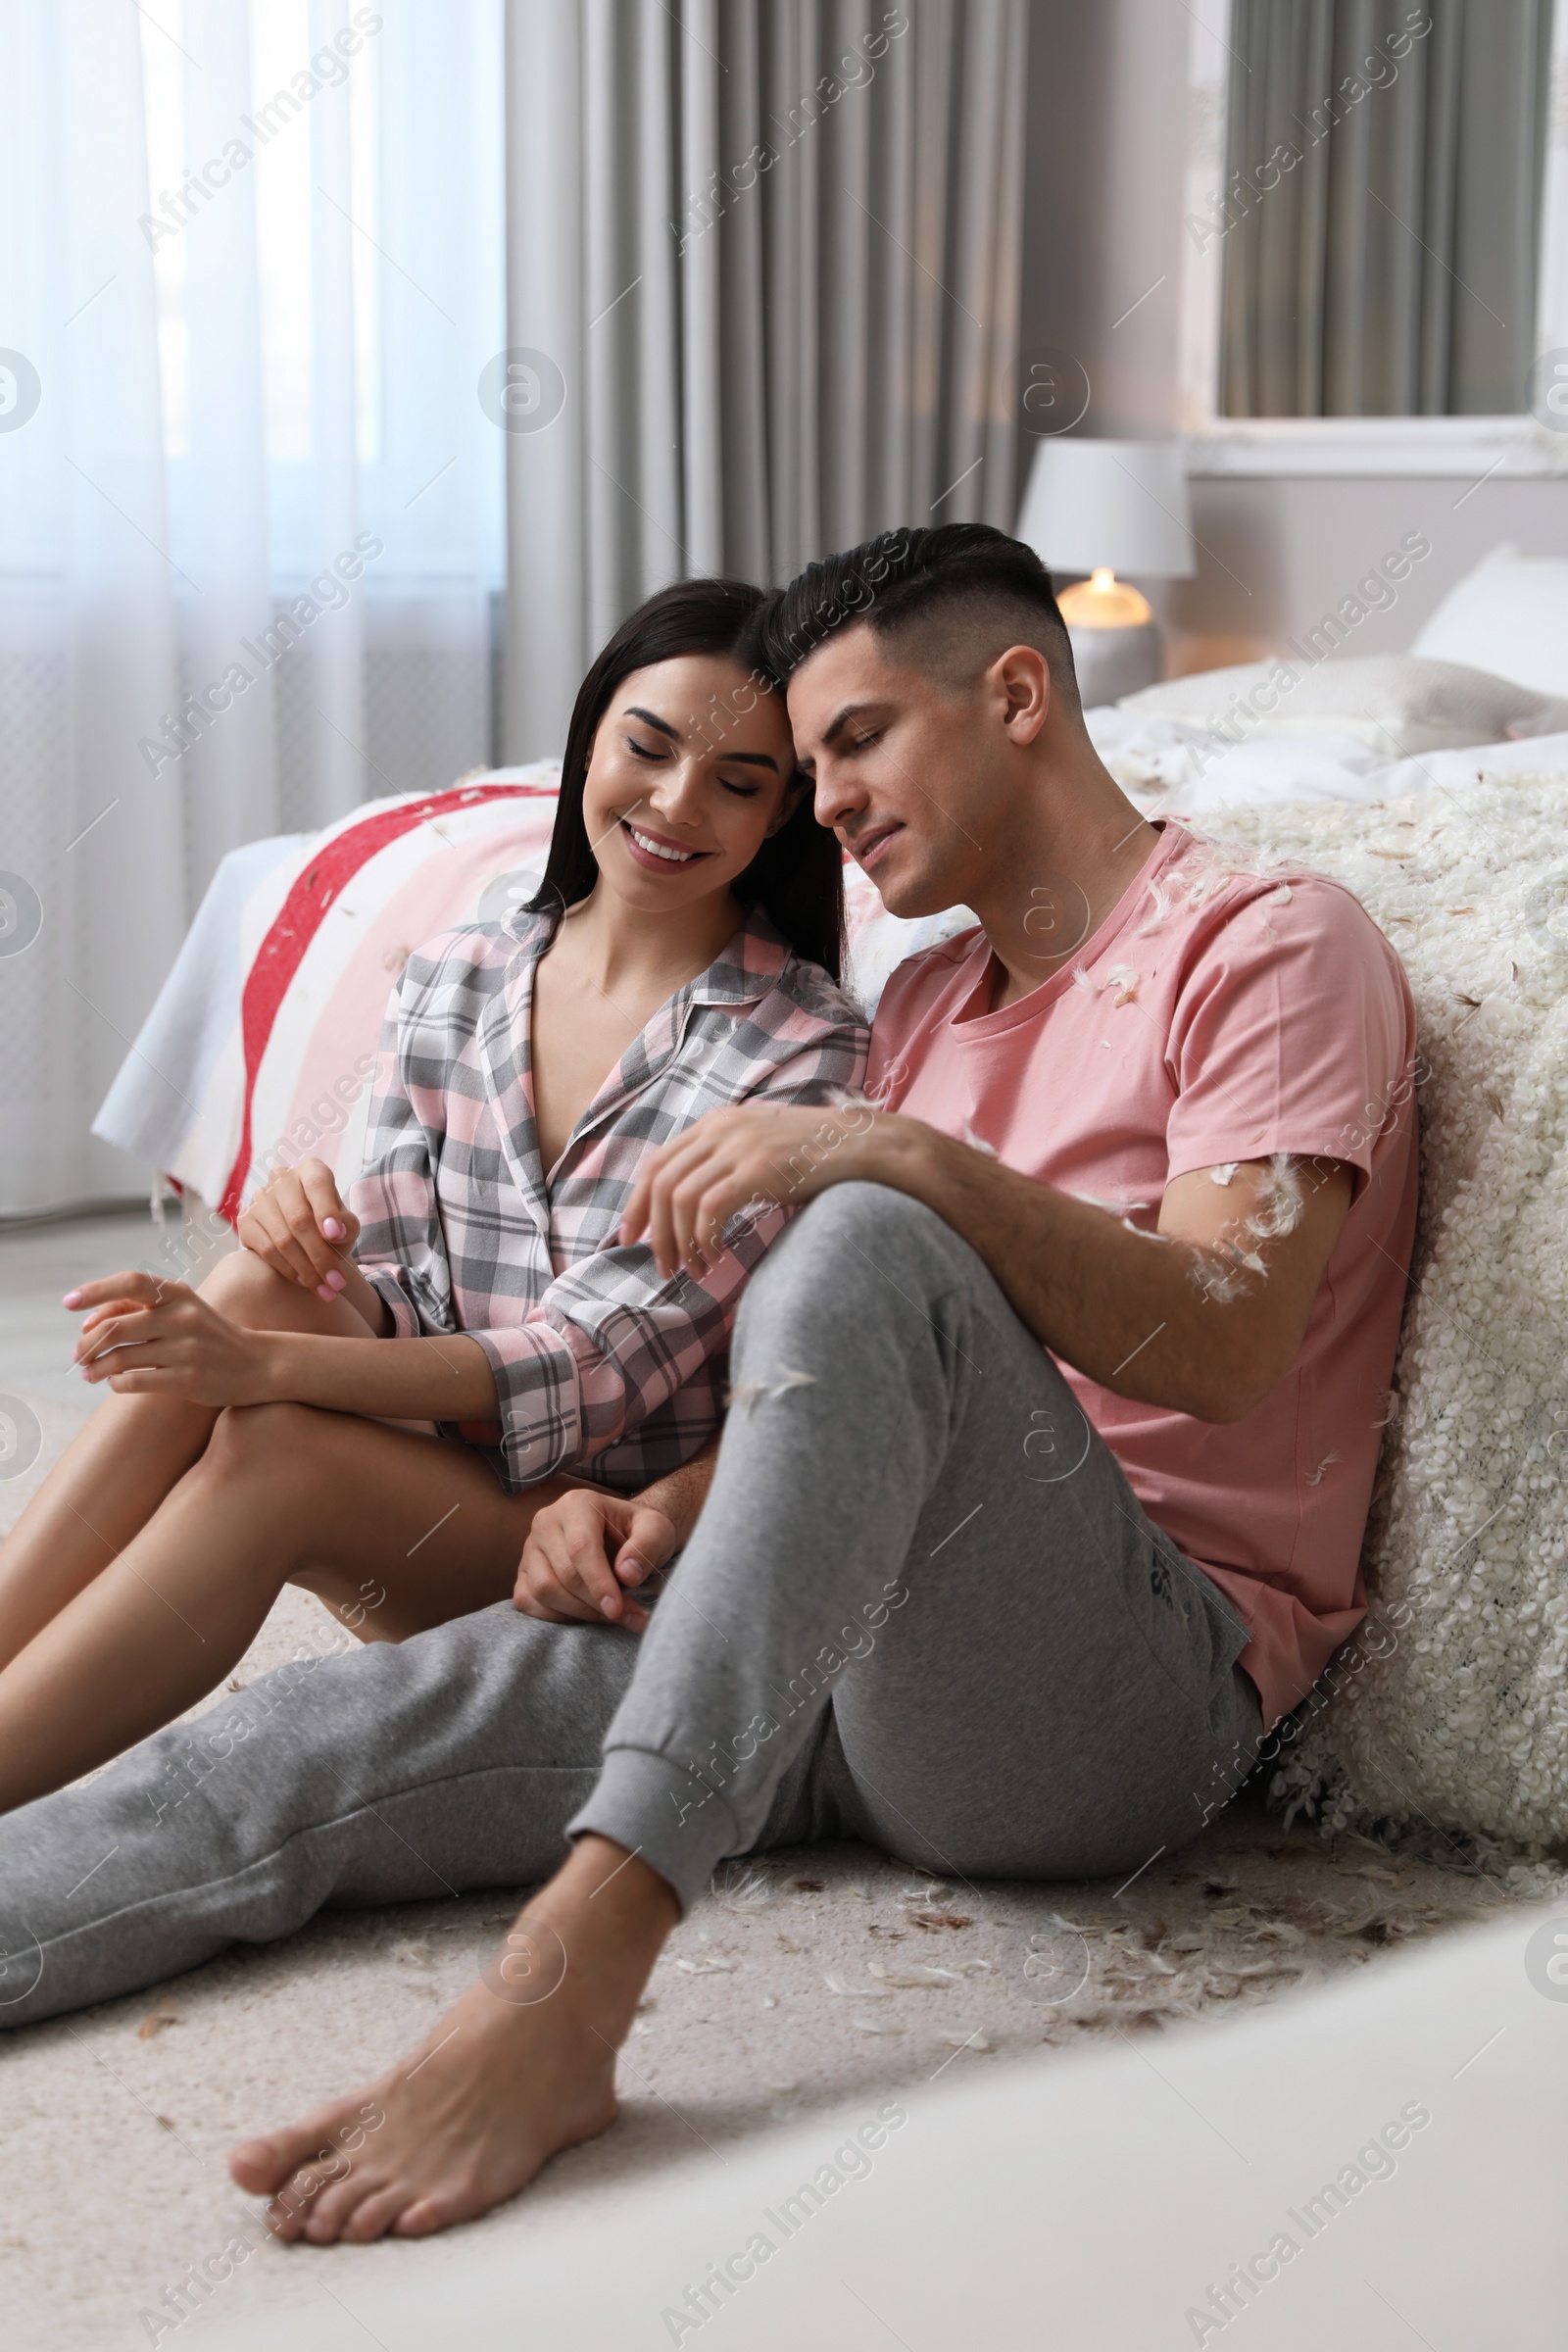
(1171, 768)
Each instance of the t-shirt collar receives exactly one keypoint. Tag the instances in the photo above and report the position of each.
(969, 1023)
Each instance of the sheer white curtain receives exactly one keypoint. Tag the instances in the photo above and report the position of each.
(251, 505)
(762, 297)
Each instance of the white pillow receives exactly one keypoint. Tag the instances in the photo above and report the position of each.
(1510, 615)
(1395, 703)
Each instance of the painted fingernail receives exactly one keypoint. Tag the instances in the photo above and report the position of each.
(333, 1229)
(72, 1298)
(321, 1292)
(336, 1281)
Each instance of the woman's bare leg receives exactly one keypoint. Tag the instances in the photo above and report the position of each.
(280, 1493)
(116, 1472)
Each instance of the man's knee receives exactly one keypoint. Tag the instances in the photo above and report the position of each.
(859, 1244)
(855, 1214)
(863, 1225)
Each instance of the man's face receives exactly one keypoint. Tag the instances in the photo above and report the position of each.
(899, 769)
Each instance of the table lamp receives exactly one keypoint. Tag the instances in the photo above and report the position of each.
(1103, 507)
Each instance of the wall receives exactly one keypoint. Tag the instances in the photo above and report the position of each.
(1106, 149)
(1278, 553)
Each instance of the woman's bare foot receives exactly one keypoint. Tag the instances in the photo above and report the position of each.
(522, 2066)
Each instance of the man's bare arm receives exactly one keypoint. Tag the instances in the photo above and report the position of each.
(1203, 1313)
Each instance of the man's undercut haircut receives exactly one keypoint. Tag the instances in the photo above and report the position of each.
(947, 603)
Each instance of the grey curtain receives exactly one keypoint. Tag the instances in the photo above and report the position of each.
(773, 249)
(1381, 206)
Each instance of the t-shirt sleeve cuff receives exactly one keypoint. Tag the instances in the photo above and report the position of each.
(1218, 1151)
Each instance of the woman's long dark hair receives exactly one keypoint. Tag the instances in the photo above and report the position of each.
(797, 876)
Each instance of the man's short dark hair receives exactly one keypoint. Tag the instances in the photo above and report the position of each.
(948, 601)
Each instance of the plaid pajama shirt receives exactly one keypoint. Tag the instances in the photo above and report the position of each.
(602, 1366)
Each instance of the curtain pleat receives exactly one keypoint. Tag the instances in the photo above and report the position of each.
(1382, 207)
(651, 349)
(892, 353)
(233, 771)
(803, 216)
(743, 362)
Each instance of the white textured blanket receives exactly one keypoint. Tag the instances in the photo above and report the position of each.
(1447, 1717)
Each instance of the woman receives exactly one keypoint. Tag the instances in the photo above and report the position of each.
(676, 958)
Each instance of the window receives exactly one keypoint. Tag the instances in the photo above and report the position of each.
(1375, 229)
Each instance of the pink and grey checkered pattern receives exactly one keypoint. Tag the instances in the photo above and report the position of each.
(601, 1365)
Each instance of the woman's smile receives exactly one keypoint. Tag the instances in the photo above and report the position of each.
(656, 849)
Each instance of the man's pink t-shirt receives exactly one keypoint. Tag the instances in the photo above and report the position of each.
(1217, 1014)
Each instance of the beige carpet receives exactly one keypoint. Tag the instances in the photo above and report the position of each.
(815, 1976)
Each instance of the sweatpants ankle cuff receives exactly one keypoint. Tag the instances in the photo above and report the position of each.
(661, 1812)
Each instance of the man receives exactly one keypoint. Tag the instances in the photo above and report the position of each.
(998, 1613)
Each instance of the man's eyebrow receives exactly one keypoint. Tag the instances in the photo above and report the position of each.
(849, 711)
(746, 758)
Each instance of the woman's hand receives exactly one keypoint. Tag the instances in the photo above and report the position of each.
(298, 1226)
(779, 1154)
(148, 1337)
(584, 1552)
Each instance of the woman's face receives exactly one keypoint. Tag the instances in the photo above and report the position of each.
(692, 768)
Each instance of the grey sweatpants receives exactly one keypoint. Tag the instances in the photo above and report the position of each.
(922, 1607)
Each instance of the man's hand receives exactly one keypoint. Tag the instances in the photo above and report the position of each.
(779, 1154)
(299, 1225)
(149, 1337)
(585, 1555)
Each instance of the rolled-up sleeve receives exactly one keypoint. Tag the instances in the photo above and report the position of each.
(611, 1341)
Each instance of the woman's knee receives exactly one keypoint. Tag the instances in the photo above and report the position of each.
(288, 1443)
(244, 1288)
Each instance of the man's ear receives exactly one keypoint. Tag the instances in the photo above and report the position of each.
(1022, 678)
(795, 791)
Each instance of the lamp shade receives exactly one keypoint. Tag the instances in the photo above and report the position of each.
(1118, 503)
